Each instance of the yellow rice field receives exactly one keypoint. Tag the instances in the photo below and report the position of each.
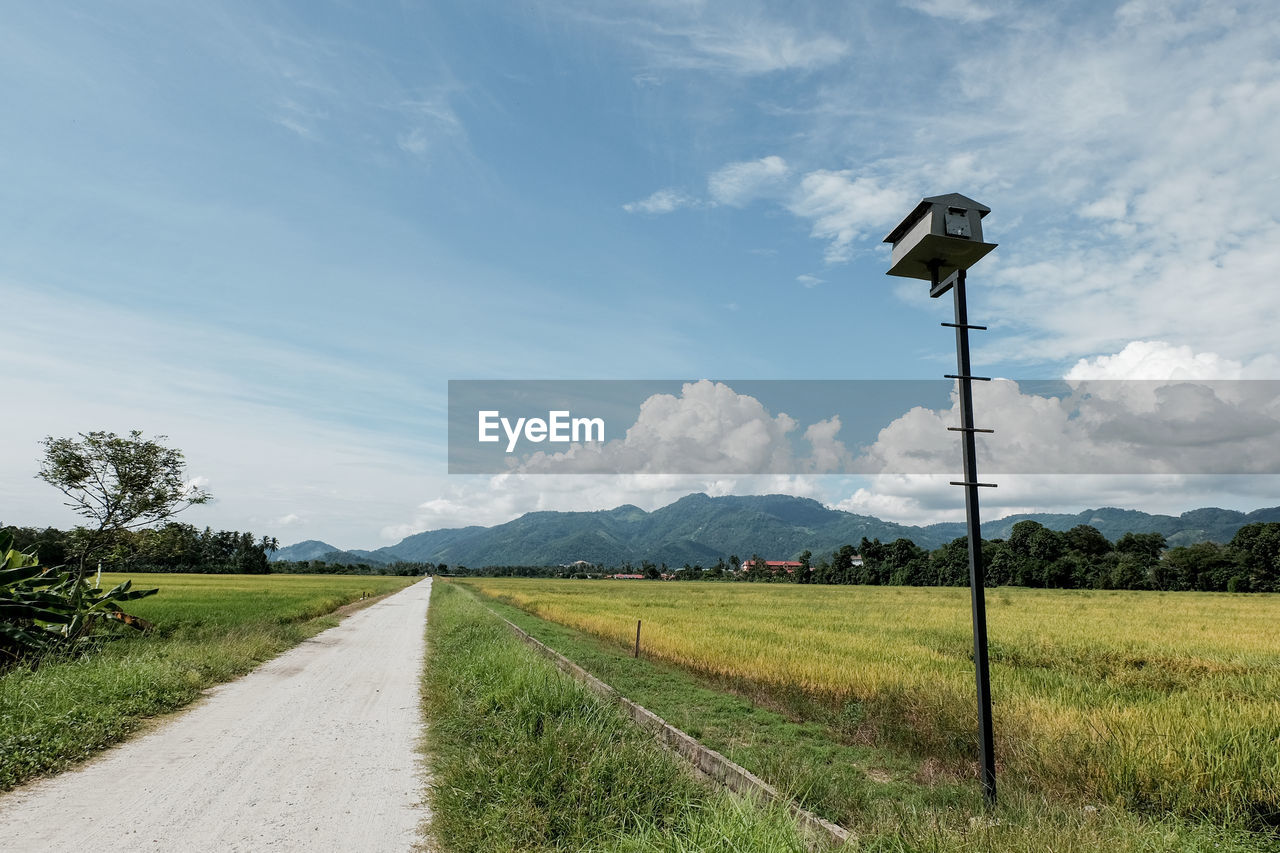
(1153, 701)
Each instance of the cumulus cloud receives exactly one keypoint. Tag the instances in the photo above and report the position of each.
(1156, 360)
(1184, 420)
(708, 429)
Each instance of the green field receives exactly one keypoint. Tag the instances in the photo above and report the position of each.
(1148, 704)
(524, 759)
(208, 629)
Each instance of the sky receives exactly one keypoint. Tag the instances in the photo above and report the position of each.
(273, 232)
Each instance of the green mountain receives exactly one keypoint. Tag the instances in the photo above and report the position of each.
(314, 549)
(1197, 525)
(311, 549)
(702, 529)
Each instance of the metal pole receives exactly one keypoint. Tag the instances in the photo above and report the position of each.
(977, 576)
(637, 654)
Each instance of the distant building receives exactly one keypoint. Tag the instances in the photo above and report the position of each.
(622, 577)
(773, 566)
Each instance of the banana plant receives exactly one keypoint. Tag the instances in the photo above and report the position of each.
(47, 609)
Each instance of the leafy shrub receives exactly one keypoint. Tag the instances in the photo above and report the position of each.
(46, 610)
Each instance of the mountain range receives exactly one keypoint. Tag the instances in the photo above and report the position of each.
(702, 529)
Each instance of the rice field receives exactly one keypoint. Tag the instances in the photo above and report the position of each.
(1153, 702)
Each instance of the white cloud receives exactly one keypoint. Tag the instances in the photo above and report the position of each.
(1161, 143)
(1156, 360)
(431, 121)
(1185, 422)
(755, 48)
(709, 429)
(662, 201)
(843, 205)
(1129, 161)
(414, 142)
(810, 280)
(727, 38)
(294, 124)
(738, 184)
(969, 11)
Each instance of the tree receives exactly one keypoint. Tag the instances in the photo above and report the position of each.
(948, 566)
(1256, 549)
(803, 574)
(1087, 540)
(117, 484)
(842, 565)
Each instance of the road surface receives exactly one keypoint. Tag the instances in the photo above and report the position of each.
(314, 750)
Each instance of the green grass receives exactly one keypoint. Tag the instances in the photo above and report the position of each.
(209, 629)
(523, 758)
(890, 791)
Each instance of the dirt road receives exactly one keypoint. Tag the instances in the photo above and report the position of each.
(312, 751)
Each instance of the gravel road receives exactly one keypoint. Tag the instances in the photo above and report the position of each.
(314, 750)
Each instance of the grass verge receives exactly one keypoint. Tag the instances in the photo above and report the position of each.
(891, 799)
(525, 759)
(209, 629)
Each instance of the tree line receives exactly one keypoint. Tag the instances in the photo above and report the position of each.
(1032, 556)
(1079, 558)
(178, 547)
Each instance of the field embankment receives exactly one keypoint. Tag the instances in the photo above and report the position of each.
(1162, 707)
(209, 629)
(523, 758)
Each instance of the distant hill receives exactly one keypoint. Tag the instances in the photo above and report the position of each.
(702, 529)
(355, 557)
(1197, 525)
(312, 549)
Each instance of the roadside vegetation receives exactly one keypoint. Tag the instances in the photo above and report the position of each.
(1125, 721)
(62, 706)
(523, 758)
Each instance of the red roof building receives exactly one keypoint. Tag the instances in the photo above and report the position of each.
(774, 566)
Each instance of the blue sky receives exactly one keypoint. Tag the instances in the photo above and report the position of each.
(274, 231)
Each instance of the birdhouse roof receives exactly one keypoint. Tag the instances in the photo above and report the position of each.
(949, 200)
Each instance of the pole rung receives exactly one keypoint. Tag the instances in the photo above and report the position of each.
(962, 483)
(976, 378)
(968, 429)
(965, 326)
